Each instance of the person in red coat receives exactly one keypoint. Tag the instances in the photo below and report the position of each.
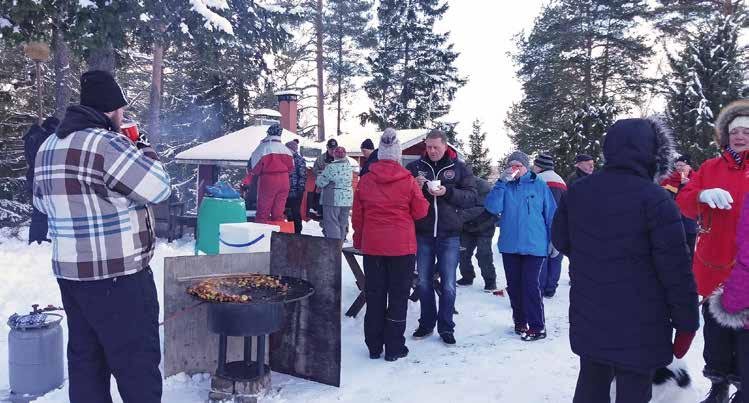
(271, 163)
(387, 202)
(713, 197)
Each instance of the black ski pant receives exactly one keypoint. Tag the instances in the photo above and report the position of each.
(483, 247)
(295, 205)
(387, 287)
(594, 384)
(113, 329)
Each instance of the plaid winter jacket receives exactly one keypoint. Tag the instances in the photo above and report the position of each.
(95, 186)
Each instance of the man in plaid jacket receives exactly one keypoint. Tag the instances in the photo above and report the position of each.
(96, 185)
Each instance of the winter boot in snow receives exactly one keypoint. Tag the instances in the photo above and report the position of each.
(448, 339)
(402, 354)
(533, 335)
(738, 397)
(490, 287)
(718, 392)
(520, 329)
(464, 281)
(422, 333)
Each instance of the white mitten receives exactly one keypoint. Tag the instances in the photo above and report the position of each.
(716, 198)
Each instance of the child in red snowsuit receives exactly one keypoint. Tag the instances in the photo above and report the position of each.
(271, 163)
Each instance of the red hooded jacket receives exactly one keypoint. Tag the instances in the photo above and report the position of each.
(716, 245)
(386, 203)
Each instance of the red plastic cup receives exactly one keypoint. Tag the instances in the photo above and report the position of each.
(130, 129)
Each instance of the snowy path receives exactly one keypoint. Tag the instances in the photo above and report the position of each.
(489, 363)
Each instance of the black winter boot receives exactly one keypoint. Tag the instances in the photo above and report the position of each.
(738, 397)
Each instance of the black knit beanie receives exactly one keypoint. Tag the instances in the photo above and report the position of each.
(367, 144)
(100, 91)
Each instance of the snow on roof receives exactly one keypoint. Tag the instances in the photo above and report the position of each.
(234, 149)
(287, 92)
(267, 112)
(352, 142)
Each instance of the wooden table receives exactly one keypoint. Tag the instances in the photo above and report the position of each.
(350, 254)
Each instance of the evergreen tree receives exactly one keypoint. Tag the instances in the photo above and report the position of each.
(478, 155)
(346, 38)
(414, 77)
(705, 76)
(580, 66)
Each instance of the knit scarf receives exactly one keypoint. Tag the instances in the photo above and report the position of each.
(735, 155)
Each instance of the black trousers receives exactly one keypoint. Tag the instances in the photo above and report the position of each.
(720, 351)
(387, 287)
(295, 204)
(484, 255)
(113, 329)
(594, 384)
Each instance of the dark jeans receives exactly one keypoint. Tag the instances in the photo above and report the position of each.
(594, 384)
(295, 205)
(387, 287)
(437, 255)
(551, 271)
(113, 329)
(720, 347)
(483, 248)
(522, 273)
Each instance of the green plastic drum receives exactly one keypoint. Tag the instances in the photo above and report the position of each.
(212, 213)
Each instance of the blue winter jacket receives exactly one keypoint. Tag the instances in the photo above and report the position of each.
(526, 208)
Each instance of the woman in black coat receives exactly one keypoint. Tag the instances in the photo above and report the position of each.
(632, 282)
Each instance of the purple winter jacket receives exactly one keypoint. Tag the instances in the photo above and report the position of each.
(731, 309)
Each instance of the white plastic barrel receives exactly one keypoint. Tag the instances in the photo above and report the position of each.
(245, 237)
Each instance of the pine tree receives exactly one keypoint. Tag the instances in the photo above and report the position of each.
(478, 155)
(705, 76)
(414, 77)
(346, 38)
(581, 65)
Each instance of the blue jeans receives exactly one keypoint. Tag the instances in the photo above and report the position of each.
(551, 270)
(439, 255)
(527, 304)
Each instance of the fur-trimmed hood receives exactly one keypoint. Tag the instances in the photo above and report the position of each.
(645, 146)
(727, 115)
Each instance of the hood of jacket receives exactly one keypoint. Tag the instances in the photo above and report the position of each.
(387, 171)
(79, 117)
(642, 146)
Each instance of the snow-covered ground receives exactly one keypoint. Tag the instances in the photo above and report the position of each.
(489, 363)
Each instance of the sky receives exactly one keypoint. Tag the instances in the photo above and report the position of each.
(482, 31)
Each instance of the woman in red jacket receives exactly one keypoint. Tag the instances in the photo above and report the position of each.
(271, 163)
(714, 197)
(386, 203)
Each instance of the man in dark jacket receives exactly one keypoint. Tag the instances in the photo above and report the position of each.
(632, 278)
(449, 186)
(584, 166)
(477, 235)
(551, 270)
(298, 182)
(370, 156)
(32, 140)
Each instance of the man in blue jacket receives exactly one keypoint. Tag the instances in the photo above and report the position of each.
(438, 234)
(526, 208)
(632, 275)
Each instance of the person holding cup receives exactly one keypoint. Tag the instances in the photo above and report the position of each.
(526, 209)
(449, 187)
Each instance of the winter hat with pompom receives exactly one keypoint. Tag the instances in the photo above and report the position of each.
(390, 146)
(293, 146)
